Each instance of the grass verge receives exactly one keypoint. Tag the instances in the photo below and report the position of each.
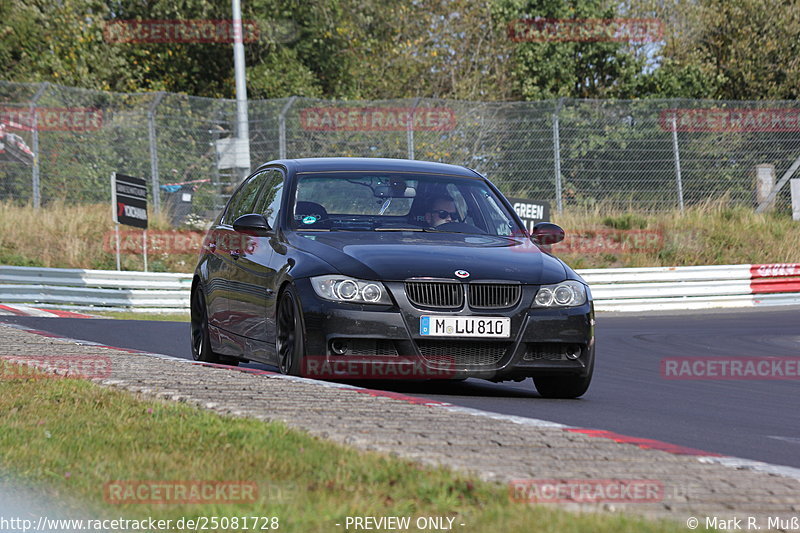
(78, 236)
(74, 437)
(127, 315)
(707, 234)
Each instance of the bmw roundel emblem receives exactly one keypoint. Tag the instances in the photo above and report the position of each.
(462, 274)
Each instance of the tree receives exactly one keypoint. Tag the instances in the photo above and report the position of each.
(588, 69)
(726, 49)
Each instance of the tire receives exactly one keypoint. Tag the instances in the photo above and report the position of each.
(201, 340)
(564, 386)
(289, 335)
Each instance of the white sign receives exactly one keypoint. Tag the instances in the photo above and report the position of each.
(233, 152)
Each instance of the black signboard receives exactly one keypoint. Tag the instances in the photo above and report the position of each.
(129, 196)
(531, 211)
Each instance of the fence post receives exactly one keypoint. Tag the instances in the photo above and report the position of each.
(410, 130)
(557, 155)
(794, 187)
(242, 146)
(282, 128)
(676, 153)
(151, 126)
(36, 190)
(776, 189)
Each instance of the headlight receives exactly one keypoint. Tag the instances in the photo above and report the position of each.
(564, 294)
(344, 289)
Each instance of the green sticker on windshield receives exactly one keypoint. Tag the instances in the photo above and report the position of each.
(309, 219)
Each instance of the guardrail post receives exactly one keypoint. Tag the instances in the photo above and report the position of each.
(282, 128)
(35, 186)
(677, 155)
(151, 127)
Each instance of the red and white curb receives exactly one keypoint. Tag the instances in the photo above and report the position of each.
(676, 449)
(27, 310)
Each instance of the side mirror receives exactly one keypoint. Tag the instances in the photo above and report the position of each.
(547, 233)
(252, 224)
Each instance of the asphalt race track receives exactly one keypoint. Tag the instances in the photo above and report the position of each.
(752, 419)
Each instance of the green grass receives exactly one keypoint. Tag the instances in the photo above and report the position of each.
(128, 315)
(72, 437)
(708, 234)
(62, 235)
(72, 236)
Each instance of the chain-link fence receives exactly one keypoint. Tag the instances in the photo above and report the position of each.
(639, 154)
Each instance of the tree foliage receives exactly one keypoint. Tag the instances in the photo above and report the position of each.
(725, 49)
(368, 49)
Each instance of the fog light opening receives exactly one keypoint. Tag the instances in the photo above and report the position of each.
(339, 347)
(573, 352)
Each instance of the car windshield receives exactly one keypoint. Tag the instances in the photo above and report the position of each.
(391, 201)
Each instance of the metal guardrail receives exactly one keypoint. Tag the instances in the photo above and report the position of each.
(78, 289)
(613, 289)
(694, 287)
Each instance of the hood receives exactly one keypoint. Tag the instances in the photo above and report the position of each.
(396, 256)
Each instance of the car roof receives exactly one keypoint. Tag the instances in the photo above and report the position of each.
(322, 164)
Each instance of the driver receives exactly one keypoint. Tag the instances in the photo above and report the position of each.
(441, 210)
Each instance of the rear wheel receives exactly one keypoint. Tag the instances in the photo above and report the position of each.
(565, 386)
(290, 338)
(201, 340)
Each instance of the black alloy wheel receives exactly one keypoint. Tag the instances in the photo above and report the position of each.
(201, 341)
(289, 340)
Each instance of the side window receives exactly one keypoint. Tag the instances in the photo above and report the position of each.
(241, 203)
(502, 224)
(458, 198)
(270, 201)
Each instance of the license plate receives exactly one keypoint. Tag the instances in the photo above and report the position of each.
(465, 326)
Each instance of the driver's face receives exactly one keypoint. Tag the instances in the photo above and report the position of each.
(442, 207)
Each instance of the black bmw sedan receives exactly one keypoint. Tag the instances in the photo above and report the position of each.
(347, 268)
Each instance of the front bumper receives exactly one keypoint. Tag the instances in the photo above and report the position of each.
(384, 341)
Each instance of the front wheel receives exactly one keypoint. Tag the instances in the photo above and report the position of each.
(201, 340)
(564, 386)
(289, 338)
